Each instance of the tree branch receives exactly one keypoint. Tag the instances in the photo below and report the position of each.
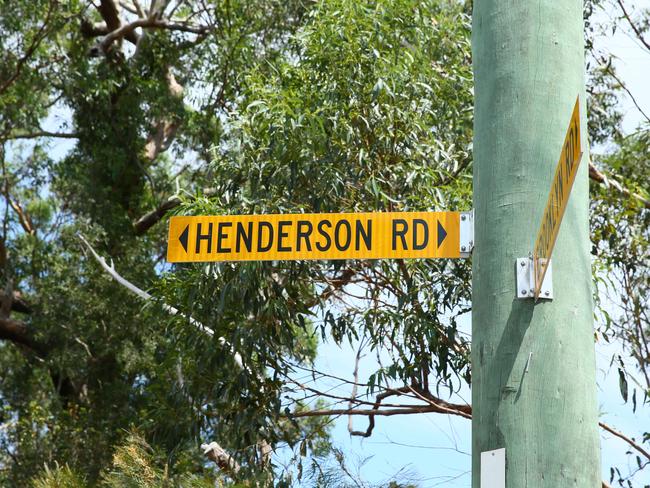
(19, 332)
(599, 177)
(369, 413)
(148, 220)
(41, 133)
(149, 23)
(218, 454)
(636, 446)
(608, 68)
(165, 129)
(110, 269)
(636, 30)
(93, 29)
(18, 303)
(110, 12)
(161, 139)
(436, 405)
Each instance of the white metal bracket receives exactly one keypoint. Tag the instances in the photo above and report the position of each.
(526, 280)
(466, 233)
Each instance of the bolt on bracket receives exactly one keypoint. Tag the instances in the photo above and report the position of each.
(526, 280)
(466, 233)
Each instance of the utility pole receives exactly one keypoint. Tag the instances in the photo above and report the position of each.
(534, 386)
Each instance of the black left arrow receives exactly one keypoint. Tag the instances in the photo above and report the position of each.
(183, 237)
(442, 233)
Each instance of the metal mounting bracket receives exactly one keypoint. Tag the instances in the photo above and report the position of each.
(466, 233)
(526, 280)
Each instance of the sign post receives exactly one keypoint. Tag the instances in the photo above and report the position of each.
(533, 364)
(332, 236)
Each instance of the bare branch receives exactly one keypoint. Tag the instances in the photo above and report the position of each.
(110, 12)
(38, 134)
(93, 29)
(599, 177)
(608, 68)
(138, 8)
(110, 269)
(218, 454)
(19, 332)
(635, 28)
(435, 405)
(212, 450)
(127, 30)
(23, 217)
(18, 303)
(353, 394)
(148, 220)
(166, 128)
(369, 413)
(636, 446)
(161, 139)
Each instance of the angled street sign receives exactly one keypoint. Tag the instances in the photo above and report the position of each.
(317, 236)
(558, 197)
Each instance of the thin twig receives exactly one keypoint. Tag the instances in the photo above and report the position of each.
(625, 438)
(608, 68)
(633, 25)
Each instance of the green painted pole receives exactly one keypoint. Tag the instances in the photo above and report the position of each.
(534, 387)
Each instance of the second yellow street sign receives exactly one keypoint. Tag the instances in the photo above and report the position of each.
(315, 236)
(565, 174)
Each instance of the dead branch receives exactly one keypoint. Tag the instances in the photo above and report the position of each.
(369, 413)
(218, 454)
(90, 29)
(435, 405)
(599, 177)
(110, 269)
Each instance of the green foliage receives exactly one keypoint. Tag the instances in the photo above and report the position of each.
(99, 361)
(276, 107)
(620, 219)
(134, 465)
(362, 120)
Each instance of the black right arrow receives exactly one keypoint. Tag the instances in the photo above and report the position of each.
(183, 237)
(442, 233)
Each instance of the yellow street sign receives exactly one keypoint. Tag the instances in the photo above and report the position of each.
(558, 197)
(314, 236)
